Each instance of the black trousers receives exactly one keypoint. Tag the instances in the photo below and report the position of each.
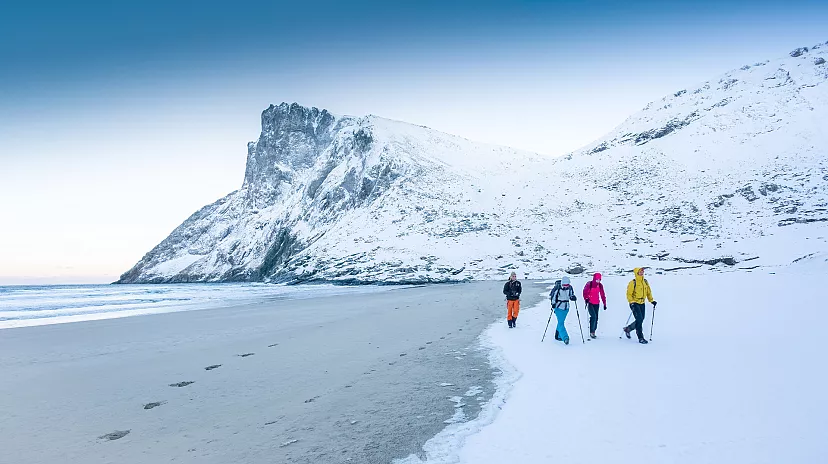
(638, 314)
(593, 317)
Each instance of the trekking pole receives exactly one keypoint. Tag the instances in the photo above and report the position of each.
(652, 321)
(579, 322)
(628, 321)
(547, 326)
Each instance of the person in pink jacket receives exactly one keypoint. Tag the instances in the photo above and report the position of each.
(594, 294)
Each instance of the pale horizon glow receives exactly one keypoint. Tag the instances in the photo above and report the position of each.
(101, 165)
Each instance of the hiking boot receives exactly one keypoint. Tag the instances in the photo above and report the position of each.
(566, 341)
(509, 321)
(642, 341)
(558, 337)
(514, 322)
(592, 335)
(627, 332)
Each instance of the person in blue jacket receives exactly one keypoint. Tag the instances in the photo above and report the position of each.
(561, 296)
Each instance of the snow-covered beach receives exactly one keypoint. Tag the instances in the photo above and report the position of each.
(732, 375)
(352, 377)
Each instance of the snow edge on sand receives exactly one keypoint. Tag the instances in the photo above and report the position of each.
(444, 448)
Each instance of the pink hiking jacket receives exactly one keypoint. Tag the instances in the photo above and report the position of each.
(594, 290)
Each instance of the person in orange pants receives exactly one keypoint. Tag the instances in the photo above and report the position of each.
(512, 291)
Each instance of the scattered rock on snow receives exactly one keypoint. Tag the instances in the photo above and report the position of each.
(799, 52)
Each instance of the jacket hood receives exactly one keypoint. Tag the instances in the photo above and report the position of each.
(635, 272)
(597, 276)
(565, 281)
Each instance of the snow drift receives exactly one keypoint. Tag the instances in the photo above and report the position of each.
(730, 173)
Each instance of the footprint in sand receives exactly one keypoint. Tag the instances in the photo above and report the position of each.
(181, 384)
(118, 434)
(154, 405)
(245, 355)
(214, 366)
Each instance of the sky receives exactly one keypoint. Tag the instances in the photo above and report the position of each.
(120, 119)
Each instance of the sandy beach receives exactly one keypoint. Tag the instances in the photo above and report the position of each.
(356, 378)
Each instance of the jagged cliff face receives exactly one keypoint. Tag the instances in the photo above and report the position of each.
(732, 168)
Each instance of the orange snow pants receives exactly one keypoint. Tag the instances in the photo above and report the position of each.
(512, 309)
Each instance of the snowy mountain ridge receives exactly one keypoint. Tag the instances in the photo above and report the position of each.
(734, 169)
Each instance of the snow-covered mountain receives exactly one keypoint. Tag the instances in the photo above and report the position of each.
(731, 170)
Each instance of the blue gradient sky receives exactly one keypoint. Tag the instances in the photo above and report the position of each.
(119, 119)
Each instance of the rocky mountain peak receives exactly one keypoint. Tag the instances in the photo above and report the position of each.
(292, 138)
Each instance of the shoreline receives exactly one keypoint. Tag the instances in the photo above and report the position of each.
(310, 374)
(446, 446)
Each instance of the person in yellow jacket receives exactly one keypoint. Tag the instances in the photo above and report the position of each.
(637, 291)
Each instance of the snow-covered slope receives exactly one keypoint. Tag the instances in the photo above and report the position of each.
(735, 168)
(718, 383)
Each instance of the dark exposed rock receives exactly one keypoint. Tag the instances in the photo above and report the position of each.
(601, 147)
(283, 247)
(790, 221)
(764, 189)
(801, 258)
(682, 218)
(721, 200)
(729, 260)
(575, 269)
(819, 60)
(799, 52)
(747, 192)
(672, 126)
(683, 267)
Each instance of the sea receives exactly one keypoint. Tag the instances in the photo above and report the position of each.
(32, 305)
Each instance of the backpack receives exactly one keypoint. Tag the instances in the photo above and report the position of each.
(553, 294)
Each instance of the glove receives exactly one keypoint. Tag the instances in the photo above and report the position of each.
(573, 298)
(654, 304)
(605, 307)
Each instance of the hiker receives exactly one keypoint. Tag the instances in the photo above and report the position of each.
(512, 291)
(637, 290)
(593, 292)
(561, 296)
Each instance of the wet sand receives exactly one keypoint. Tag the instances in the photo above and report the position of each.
(364, 378)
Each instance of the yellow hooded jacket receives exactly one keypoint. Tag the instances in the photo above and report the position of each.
(638, 289)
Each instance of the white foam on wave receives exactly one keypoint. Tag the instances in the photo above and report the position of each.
(44, 305)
